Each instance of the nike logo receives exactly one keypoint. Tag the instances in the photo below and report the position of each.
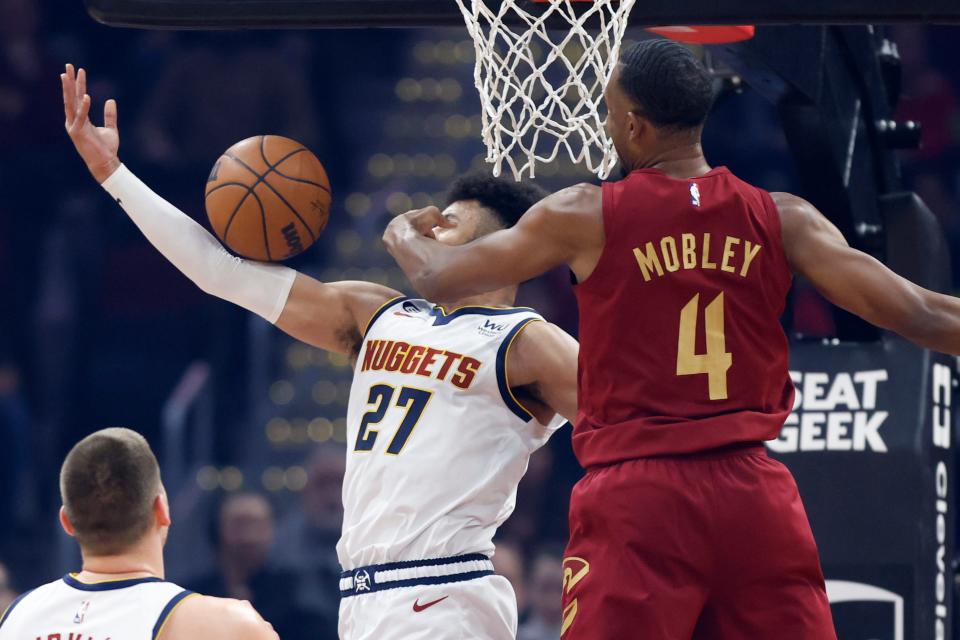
(417, 607)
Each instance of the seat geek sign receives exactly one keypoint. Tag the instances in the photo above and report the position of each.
(835, 411)
(871, 444)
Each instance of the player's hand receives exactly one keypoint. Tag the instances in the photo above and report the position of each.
(419, 222)
(96, 145)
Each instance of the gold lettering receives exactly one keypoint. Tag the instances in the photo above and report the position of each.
(688, 243)
(648, 260)
(668, 246)
(706, 264)
(752, 251)
(728, 253)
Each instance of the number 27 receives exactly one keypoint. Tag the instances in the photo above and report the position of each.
(414, 400)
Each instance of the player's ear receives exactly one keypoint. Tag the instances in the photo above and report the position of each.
(636, 124)
(161, 509)
(65, 522)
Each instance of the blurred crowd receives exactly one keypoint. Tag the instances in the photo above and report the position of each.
(96, 329)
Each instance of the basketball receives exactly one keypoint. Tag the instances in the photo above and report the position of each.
(268, 198)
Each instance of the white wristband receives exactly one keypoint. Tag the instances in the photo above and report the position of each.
(259, 287)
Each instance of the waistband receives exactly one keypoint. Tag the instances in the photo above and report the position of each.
(727, 451)
(412, 573)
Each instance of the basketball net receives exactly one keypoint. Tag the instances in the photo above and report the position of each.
(541, 91)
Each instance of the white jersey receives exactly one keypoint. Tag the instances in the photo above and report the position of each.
(72, 610)
(436, 441)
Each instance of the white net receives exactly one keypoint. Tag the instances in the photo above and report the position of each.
(541, 89)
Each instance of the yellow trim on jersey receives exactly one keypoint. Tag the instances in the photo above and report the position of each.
(376, 313)
(506, 363)
(166, 618)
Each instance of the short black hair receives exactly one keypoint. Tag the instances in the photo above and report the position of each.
(507, 199)
(108, 483)
(670, 86)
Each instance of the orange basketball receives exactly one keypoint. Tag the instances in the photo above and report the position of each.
(268, 198)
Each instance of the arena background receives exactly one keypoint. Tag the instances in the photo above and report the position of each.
(96, 329)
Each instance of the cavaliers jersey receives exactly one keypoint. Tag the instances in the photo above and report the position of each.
(68, 609)
(436, 441)
(681, 344)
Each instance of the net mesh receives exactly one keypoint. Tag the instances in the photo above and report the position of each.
(541, 88)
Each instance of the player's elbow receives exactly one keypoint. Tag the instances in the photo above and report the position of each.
(934, 324)
(921, 317)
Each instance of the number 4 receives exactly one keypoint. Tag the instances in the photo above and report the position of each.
(716, 360)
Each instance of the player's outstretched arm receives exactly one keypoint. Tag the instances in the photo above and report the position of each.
(563, 228)
(332, 316)
(327, 316)
(211, 618)
(862, 285)
(543, 362)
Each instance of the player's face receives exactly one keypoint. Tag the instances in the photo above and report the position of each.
(469, 220)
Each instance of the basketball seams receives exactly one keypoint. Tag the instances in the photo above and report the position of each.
(233, 214)
(263, 220)
(262, 179)
(274, 167)
(226, 184)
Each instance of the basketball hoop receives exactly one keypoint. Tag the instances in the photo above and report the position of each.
(540, 71)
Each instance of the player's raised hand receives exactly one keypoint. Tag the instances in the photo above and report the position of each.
(96, 145)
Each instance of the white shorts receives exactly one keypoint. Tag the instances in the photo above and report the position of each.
(484, 608)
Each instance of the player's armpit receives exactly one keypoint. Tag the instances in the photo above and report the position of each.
(563, 228)
(862, 285)
(211, 618)
(332, 316)
(543, 362)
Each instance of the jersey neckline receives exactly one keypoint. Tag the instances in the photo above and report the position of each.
(107, 585)
(715, 171)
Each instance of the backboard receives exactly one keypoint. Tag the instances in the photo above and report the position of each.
(208, 14)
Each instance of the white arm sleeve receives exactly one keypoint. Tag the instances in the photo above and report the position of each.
(259, 287)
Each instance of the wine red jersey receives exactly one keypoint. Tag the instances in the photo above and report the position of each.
(681, 347)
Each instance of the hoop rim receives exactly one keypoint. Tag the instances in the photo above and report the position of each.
(703, 34)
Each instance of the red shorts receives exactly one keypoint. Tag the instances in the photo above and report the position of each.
(706, 546)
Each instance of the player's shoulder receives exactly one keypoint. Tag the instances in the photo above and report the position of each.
(540, 337)
(578, 198)
(797, 216)
(789, 204)
(211, 618)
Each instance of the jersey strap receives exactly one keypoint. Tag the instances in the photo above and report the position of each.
(379, 312)
(502, 382)
(412, 573)
(9, 609)
(168, 611)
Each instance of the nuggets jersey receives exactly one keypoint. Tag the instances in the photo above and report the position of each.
(68, 609)
(681, 344)
(436, 441)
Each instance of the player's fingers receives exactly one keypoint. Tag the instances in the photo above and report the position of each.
(69, 93)
(67, 111)
(83, 111)
(110, 114)
(427, 218)
(81, 83)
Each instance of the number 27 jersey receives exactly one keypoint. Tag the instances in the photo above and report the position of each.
(436, 441)
(681, 348)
